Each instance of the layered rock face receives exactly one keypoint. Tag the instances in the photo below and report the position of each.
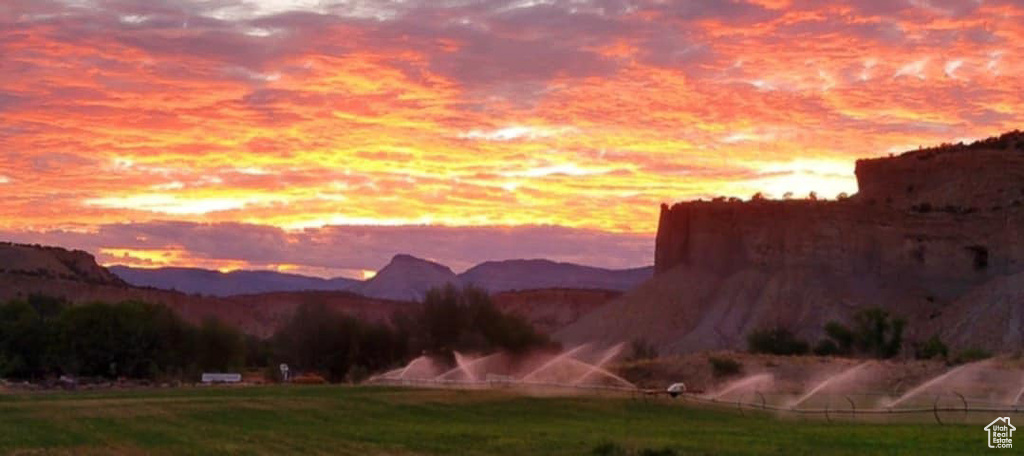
(946, 218)
(983, 176)
(933, 235)
(941, 252)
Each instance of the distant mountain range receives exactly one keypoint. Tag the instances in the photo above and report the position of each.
(405, 278)
(216, 283)
(75, 276)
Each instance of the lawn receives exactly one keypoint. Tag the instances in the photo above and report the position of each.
(375, 420)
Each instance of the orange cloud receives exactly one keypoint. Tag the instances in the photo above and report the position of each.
(585, 115)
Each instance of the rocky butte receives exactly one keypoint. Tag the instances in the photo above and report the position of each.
(934, 235)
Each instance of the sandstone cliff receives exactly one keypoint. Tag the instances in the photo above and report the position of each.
(934, 235)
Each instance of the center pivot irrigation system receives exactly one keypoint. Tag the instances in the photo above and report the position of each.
(981, 389)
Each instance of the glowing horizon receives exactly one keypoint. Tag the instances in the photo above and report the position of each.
(294, 117)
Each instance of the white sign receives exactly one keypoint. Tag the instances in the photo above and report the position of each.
(221, 378)
(1000, 433)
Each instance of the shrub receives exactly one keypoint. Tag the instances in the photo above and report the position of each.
(614, 449)
(970, 355)
(874, 333)
(724, 367)
(827, 347)
(609, 449)
(666, 451)
(841, 338)
(878, 334)
(776, 341)
(931, 349)
(642, 349)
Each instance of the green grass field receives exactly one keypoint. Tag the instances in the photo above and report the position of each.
(371, 420)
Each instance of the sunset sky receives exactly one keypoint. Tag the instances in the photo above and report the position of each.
(323, 137)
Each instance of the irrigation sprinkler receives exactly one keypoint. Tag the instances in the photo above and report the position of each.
(853, 406)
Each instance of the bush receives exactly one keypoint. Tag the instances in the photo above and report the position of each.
(666, 451)
(614, 449)
(609, 449)
(776, 341)
(874, 333)
(724, 367)
(642, 349)
(931, 349)
(827, 347)
(878, 334)
(841, 339)
(970, 355)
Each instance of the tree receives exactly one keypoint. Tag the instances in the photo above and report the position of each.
(318, 339)
(724, 367)
(130, 339)
(219, 347)
(259, 352)
(466, 320)
(27, 335)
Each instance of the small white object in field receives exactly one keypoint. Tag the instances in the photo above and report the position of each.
(676, 389)
(217, 377)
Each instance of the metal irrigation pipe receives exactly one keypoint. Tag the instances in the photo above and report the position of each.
(764, 403)
(964, 400)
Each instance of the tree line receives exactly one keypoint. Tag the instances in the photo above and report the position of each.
(44, 337)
